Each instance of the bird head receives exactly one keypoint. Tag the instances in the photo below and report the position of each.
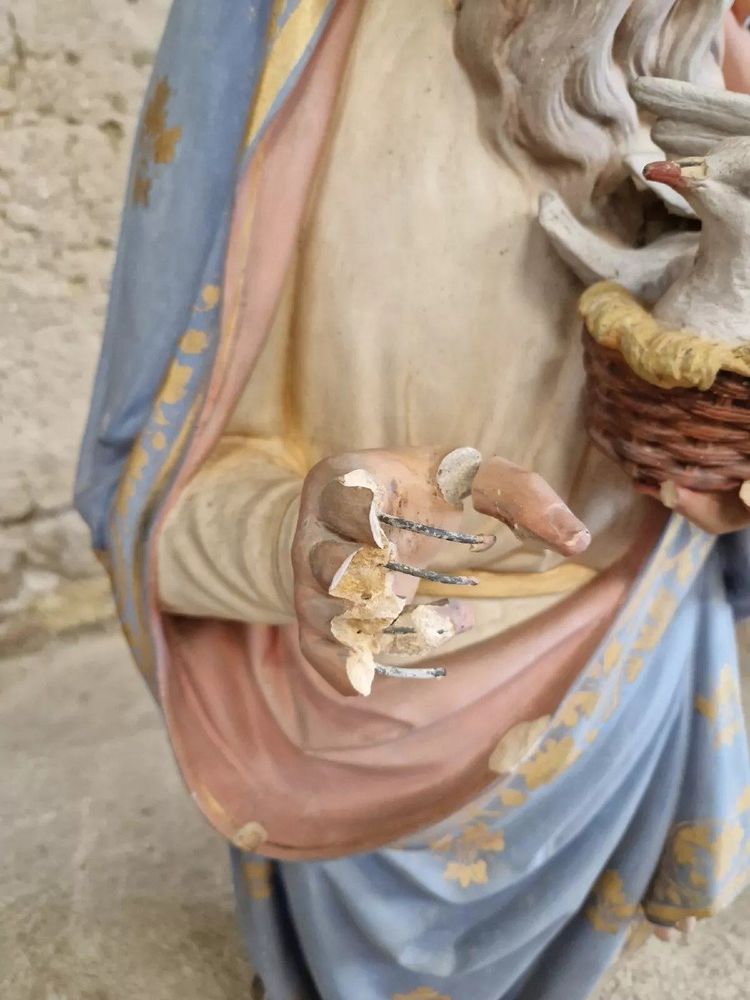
(712, 184)
(677, 174)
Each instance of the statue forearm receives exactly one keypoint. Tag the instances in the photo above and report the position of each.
(224, 550)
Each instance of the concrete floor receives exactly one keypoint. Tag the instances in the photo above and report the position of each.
(113, 888)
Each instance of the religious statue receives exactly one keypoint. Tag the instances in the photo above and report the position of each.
(437, 597)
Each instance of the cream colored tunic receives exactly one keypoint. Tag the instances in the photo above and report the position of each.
(425, 308)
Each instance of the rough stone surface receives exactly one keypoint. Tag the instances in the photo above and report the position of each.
(72, 75)
(10, 572)
(113, 887)
(61, 544)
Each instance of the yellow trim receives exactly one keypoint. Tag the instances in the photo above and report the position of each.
(561, 580)
(661, 355)
(286, 51)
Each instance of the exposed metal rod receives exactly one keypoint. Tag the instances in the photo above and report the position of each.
(410, 673)
(428, 574)
(476, 541)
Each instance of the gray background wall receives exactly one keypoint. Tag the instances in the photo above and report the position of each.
(72, 74)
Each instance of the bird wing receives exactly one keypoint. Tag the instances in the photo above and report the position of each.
(691, 120)
(647, 272)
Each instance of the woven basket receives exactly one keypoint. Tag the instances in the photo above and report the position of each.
(699, 439)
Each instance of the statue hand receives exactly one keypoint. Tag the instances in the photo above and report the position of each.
(368, 501)
(342, 503)
(716, 513)
(691, 120)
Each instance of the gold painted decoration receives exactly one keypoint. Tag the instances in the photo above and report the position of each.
(512, 798)
(157, 142)
(194, 342)
(577, 706)
(662, 356)
(467, 853)
(661, 613)
(610, 909)
(553, 758)
(257, 875)
(516, 743)
(723, 709)
(705, 864)
(210, 295)
(743, 802)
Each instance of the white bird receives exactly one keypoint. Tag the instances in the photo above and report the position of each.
(712, 296)
(696, 280)
(647, 271)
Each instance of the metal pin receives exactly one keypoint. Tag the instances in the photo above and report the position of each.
(403, 630)
(479, 542)
(409, 673)
(428, 574)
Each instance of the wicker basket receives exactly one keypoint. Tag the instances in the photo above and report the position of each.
(699, 439)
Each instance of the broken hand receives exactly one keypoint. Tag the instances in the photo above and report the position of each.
(370, 525)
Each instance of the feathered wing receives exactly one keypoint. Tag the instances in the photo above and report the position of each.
(647, 272)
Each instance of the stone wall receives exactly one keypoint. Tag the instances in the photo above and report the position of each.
(72, 75)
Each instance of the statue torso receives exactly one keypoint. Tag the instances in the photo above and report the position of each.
(427, 307)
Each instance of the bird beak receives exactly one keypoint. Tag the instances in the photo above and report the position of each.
(677, 174)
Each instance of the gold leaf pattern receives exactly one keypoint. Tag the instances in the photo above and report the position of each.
(468, 851)
(175, 384)
(726, 848)
(134, 470)
(634, 668)
(467, 874)
(157, 142)
(511, 797)
(210, 295)
(660, 615)
(743, 802)
(703, 866)
(578, 705)
(612, 655)
(194, 342)
(155, 114)
(723, 709)
(141, 190)
(164, 145)
(554, 758)
(258, 879)
(609, 909)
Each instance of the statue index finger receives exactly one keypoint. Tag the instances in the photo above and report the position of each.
(528, 505)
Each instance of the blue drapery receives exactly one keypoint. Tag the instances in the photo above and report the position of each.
(635, 804)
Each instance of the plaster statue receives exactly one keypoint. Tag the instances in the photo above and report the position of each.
(460, 697)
